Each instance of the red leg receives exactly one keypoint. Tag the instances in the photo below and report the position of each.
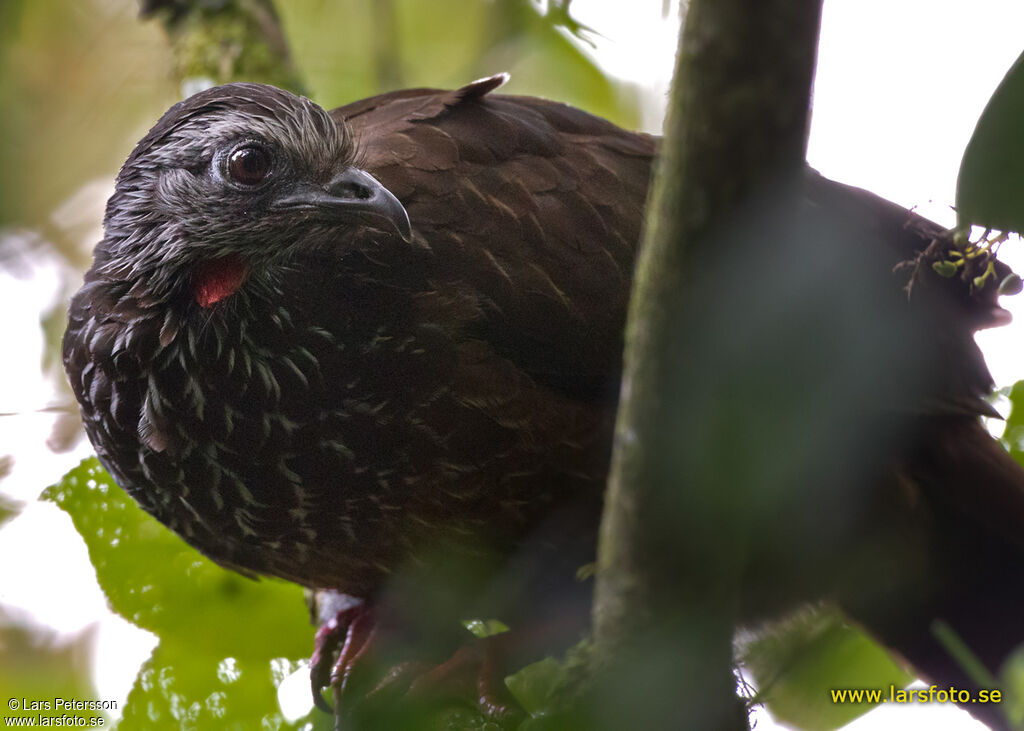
(355, 624)
(359, 639)
(475, 673)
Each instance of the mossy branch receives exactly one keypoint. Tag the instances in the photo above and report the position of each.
(671, 542)
(220, 41)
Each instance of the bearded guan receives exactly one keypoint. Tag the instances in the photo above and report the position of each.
(346, 348)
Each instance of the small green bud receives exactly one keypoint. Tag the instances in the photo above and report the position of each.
(945, 269)
(1011, 284)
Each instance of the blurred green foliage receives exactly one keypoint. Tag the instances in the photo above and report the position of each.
(79, 83)
(798, 660)
(356, 48)
(226, 641)
(154, 580)
(8, 508)
(1013, 432)
(46, 668)
(1013, 673)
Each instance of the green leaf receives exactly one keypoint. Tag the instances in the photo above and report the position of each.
(8, 507)
(797, 662)
(990, 186)
(1011, 284)
(533, 685)
(485, 627)
(182, 687)
(226, 641)
(1013, 432)
(1013, 682)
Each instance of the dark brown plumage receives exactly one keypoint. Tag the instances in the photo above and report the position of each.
(272, 362)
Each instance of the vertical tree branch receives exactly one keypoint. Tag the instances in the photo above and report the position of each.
(671, 539)
(233, 40)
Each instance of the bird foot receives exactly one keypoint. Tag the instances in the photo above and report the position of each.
(476, 671)
(339, 645)
(344, 645)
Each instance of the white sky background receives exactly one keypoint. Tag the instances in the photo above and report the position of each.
(900, 86)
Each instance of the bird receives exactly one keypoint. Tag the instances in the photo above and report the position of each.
(381, 347)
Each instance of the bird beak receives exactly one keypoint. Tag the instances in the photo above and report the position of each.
(352, 193)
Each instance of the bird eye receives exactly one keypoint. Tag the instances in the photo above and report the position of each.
(249, 165)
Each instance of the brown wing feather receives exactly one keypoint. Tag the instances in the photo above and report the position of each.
(539, 205)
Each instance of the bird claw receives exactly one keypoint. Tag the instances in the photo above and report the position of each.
(356, 625)
(319, 667)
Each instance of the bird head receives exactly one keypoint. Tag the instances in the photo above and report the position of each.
(232, 178)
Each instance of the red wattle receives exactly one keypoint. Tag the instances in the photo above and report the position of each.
(219, 278)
